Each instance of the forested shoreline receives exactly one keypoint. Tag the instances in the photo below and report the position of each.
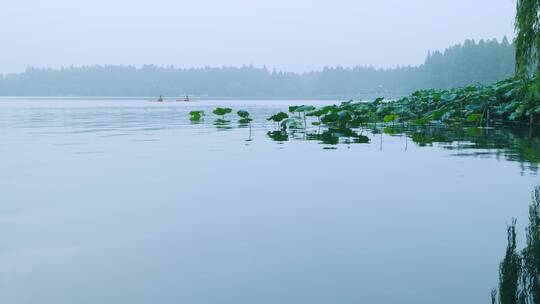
(486, 61)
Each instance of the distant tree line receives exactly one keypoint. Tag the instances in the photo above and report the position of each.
(485, 61)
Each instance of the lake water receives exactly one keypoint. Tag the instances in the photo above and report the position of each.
(126, 201)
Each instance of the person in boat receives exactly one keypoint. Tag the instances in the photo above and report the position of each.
(186, 98)
(160, 99)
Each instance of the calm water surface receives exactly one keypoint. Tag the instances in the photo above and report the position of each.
(126, 201)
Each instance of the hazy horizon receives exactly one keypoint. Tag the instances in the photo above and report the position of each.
(297, 37)
(263, 66)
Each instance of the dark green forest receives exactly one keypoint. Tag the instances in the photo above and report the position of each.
(471, 62)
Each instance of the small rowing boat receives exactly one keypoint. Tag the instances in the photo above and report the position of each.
(161, 99)
(186, 99)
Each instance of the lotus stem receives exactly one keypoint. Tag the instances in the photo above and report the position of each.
(531, 123)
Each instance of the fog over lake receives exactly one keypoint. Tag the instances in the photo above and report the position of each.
(263, 152)
(295, 36)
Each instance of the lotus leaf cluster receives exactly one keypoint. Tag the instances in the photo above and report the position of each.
(504, 102)
(476, 105)
(278, 117)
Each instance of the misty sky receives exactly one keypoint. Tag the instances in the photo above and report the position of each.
(292, 35)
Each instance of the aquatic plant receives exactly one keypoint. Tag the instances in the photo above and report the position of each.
(245, 120)
(222, 112)
(294, 122)
(338, 118)
(196, 116)
(292, 109)
(390, 118)
(318, 113)
(301, 111)
(278, 117)
(244, 117)
(305, 109)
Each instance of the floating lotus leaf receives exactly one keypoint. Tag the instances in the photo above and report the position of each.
(278, 117)
(243, 113)
(292, 109)
(390, 118)
(304, 109)
(322, 111)
(196, 115)
(222, 111)
(380, 99)
(474, 117)
(330, 118)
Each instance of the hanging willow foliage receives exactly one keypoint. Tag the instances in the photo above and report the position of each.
(528, 54)
(510, 270)
(519, 273)
(527, 36)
